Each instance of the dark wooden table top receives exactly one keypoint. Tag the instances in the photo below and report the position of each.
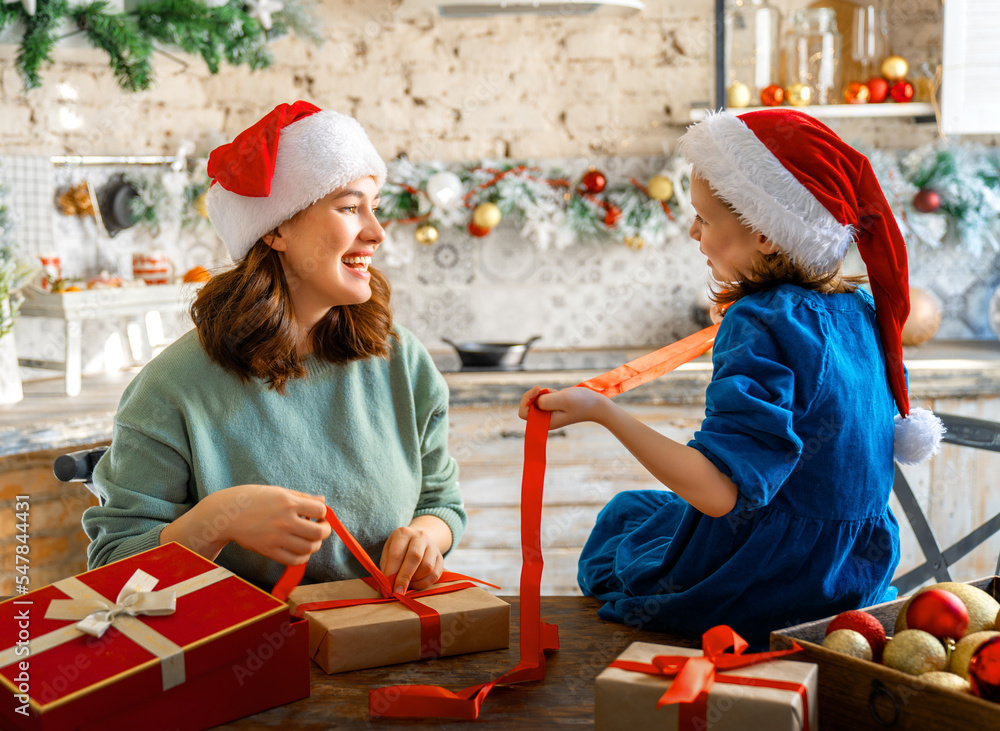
(565, 697)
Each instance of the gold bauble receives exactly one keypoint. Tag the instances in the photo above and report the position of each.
(660, 187)
(486, 215)
(924, 318)
(798, 95)
(894, 68)
(425, 234)
(201, 205)
(738, 95)
(915, 652)
(848, 642)
(634, 242)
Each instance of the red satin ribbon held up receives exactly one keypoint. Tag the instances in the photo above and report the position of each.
(695, 676)
(537, 637)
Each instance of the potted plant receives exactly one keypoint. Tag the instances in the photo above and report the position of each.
(15, 271)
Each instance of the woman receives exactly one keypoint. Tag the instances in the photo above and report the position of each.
(294, 391)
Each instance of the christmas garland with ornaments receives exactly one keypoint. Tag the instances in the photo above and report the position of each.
(235, 32)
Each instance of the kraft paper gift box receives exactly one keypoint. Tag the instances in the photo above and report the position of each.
(372, 635)
(624, 699)
(225, 650)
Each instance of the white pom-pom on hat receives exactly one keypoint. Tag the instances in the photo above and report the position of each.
(917, 437)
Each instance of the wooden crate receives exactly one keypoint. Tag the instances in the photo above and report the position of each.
(856, 694)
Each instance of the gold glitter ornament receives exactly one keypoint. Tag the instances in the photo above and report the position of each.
(660, 188)
(894, 68)
(798, 95)
(426, 234)
(486, 215)
(738, 95)
(634, 242)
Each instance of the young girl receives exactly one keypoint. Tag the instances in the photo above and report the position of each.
(294, 391)
(779, 506)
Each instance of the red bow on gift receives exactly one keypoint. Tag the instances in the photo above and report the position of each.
(695, 676)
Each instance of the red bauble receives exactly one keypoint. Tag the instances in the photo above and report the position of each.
(772, 96)
(939, 613)
(864, 624)
(878, 89)
(593, 182)
(984, 670)
(901, 91)
(611, 215)
(927, 201)
(477, 230)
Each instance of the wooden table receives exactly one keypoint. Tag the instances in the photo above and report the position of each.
(565, 697)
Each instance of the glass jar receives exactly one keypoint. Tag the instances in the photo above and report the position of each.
(753, 45)
(812, 54)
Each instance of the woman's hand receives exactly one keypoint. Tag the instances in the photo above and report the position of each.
(414, 553)
(284, 525)
(568, 406)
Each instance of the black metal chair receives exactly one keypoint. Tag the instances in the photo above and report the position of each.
(966, 432)
(78, 466)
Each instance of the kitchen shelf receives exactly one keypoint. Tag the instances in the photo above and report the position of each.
(917, 110)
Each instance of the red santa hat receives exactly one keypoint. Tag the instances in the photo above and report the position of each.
(791, 178)
(284, 163)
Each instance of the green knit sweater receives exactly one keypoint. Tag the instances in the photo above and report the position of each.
(371, 435)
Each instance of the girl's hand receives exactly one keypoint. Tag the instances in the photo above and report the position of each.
(284, 525)
(412, 553)
(568, 406)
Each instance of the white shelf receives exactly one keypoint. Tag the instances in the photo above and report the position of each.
(842, 111)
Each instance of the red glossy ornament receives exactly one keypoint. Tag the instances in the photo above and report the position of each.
(772, 96)
(611, 216)
(593, 182)
(878, 89)
(927, 201)
(939, 613)
(984, 670)
(857, 93)
(477, 230)
(901, 91)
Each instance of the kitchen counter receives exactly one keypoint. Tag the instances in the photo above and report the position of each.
(48, 419)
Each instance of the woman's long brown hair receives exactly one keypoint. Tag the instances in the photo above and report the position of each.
(246, 323)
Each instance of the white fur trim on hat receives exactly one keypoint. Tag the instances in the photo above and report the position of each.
(917, 437)
(769, 199)
(316, 155)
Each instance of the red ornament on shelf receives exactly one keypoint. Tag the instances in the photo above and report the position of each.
(772, 96)
(477, 230)
(927, 201)
(984, 670)
(939, 613)
(878, 89)
(857, 93)
(901, 91)
(611, 215)
(593, 182)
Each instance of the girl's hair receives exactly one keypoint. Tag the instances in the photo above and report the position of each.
(771, 270)
(245, 322)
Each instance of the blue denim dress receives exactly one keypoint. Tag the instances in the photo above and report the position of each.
(800, 417)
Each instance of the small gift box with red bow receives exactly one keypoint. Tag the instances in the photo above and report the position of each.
(658, 686)
(163, 639)
(353, 626)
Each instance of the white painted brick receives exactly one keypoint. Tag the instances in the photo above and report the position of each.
(16, 120)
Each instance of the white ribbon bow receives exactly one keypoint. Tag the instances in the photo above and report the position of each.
(136, 597)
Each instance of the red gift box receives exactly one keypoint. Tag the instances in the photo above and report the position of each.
(105, 649)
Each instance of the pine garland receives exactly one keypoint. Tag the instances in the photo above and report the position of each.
(118, 35)
(225, 34)
(40, 38)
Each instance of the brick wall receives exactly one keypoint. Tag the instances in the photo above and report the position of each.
(446, 89)
(57, 545)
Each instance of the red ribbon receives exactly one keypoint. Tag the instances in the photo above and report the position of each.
(430, 619)
(537, 637)
(695, 676)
